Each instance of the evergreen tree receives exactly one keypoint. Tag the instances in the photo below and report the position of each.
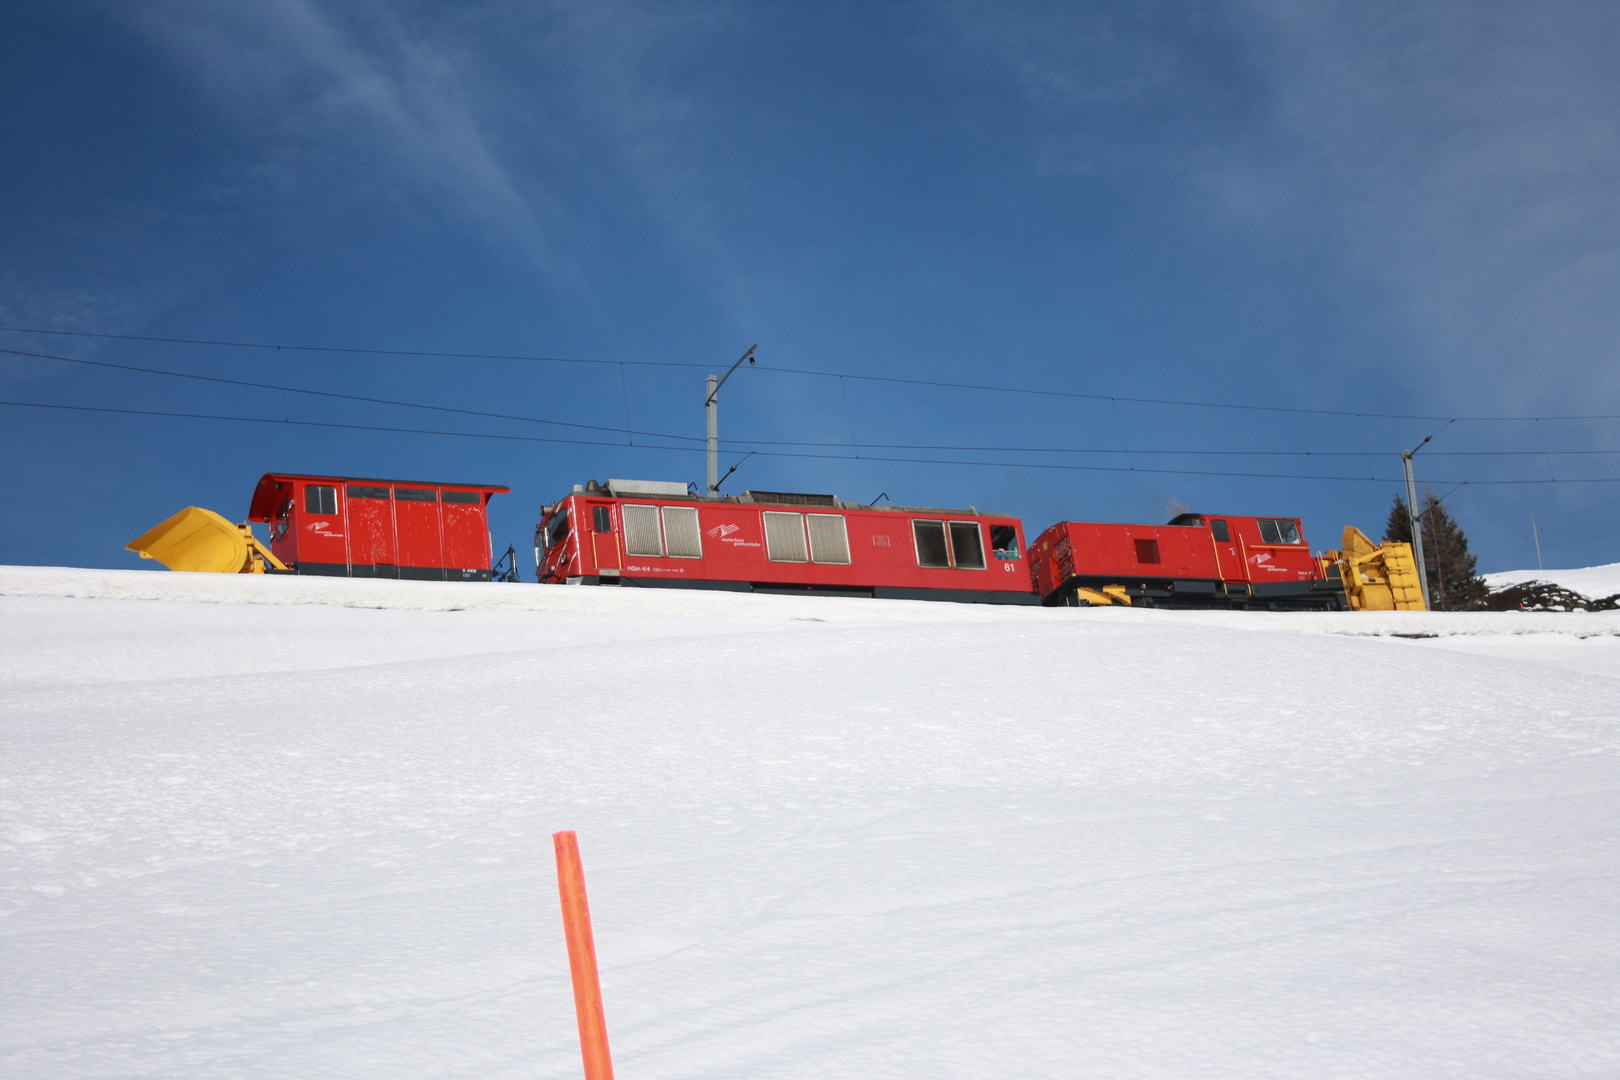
(1453, 585)
(1398, 529)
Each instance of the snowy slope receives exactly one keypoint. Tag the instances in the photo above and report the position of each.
(309, 837)
(1596, 582)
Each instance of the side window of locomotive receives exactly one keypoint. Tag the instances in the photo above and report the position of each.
(931, 549)
(1004, 541)
(557, 529)
(362, 491)
(471, 498)
(967, 543)
(1278, 531)
(416, 495)
(320, 499)
(1223, 535)
(602, 519)
(282, 521)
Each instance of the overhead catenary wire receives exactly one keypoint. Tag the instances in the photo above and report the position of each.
(342, 349)
(283, 389)
(768, 453)
(345, 397)
(801, 371)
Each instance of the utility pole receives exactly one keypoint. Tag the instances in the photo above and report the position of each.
(1414, 519)
(713, 407)
(1536, 529)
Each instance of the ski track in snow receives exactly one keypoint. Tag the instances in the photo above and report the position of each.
(302, 829)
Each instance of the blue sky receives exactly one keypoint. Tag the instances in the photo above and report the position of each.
(1373, 211)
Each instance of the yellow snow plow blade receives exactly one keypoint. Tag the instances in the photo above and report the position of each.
(200, 540)
(1378, 577)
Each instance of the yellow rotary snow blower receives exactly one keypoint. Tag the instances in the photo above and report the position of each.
(1376, 577)
(201, 540)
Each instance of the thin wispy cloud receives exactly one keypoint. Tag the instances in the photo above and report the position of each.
(1463, 155)
(371, 98)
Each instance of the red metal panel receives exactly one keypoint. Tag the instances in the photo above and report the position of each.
(416, 527)
(371, 527)
(466, 535)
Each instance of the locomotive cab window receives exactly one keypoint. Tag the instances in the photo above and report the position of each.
(1223, 535)
(602, 519)
(472, 498)
(1278, 531)
(1004, 541)
(931, 549)
(967, 544)
(556, 529)
(416, 494)
(363, 491)
(320, 499)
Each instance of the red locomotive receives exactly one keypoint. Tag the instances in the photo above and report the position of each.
(1196, 560)
(658, 534)
(345, 526)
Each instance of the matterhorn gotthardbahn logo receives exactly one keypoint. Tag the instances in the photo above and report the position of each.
(727, 534)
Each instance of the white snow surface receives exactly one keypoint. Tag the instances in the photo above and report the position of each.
(285, 827)
(1595, 582)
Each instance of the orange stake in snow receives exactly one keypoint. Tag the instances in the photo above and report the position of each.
(576, 913)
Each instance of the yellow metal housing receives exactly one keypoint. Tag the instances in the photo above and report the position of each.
(200, 540)
(1377, 577)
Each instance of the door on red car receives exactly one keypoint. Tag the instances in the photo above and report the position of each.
(321, 537)
(604, 541)
(1227, 554)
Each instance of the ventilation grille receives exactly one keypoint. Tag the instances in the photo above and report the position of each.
(681, 536)
(829, 538)
(641, 535)
(784, 537)
(792, 498)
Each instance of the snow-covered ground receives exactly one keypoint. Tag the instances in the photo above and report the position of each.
(1596, 582)
(281, 827)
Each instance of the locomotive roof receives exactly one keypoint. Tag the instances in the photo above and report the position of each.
(800, 500)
